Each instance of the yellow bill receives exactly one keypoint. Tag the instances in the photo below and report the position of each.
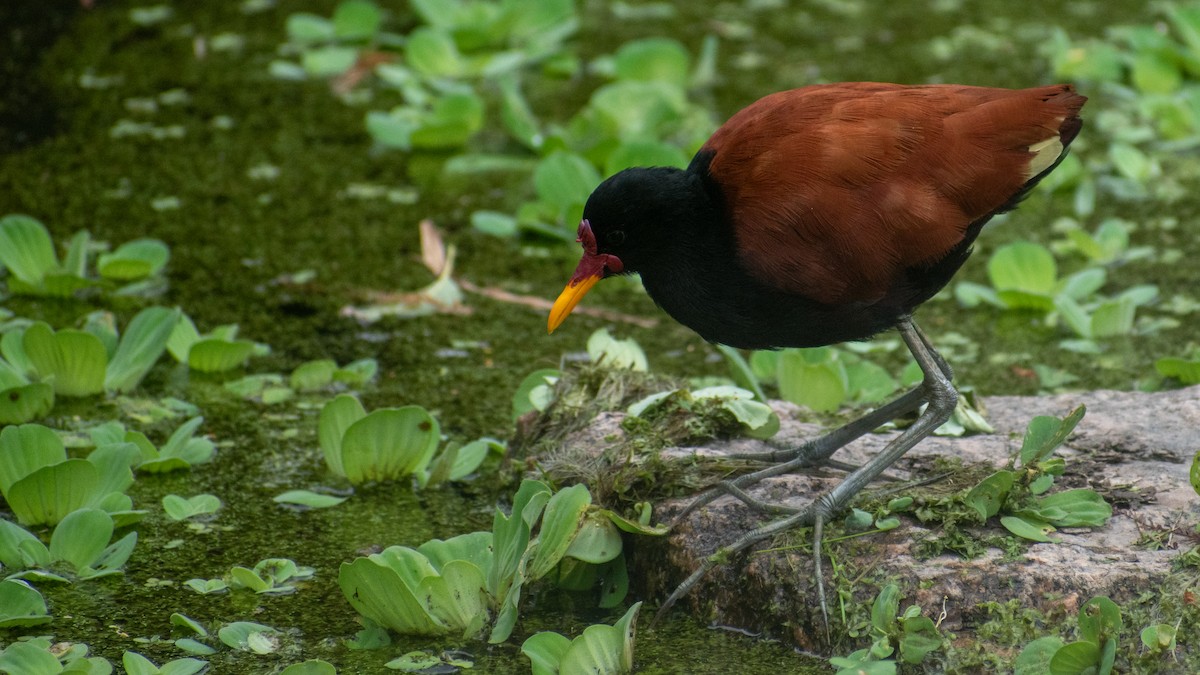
(570, 296)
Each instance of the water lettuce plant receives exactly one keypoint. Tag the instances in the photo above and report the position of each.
(462, 585)
(272, 576)
(42, 485)
(1020, 493)
(27, 252)
(39, 656)
(1184, 369)
(182, 450)
(20, 603)
(136, 664)
(914, 635)
(80, 540)
(1095, 651)
(89, 361)
(601, 649)
(214, 352)
(822, 378)
(392, 443)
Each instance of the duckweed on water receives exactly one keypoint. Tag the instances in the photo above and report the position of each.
(165, 121)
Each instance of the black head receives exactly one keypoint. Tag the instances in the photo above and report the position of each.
(638, 212)
(629, 222)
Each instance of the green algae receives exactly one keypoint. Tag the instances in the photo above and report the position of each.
(237, 233)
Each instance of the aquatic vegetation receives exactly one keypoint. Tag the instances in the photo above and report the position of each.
(1024, 276)
(601, 649)
(1095, 651)
(89, 361)
(42, 485)
(216, 351)
(39, 656)
(913, 634)
(182, 449)
(20, 603)
(180, 508)
(27, 251)
(1018, 492)
(81, 540)
(462, 585)
(392, 443)
(1184, 369)
(136, 664)
(273, 576)
(247, 636)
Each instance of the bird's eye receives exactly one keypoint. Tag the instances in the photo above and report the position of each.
(615, 238)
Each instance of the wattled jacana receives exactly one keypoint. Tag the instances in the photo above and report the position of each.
(821, 215)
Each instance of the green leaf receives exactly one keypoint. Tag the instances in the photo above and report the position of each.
(885, 608)
(1158, 637)
(356, 19)
(47, 495)
(20, 605)
(607, 650)
(451, 122)
(660, 60)
(522, 400)
(181, 508)
(1027, 528)
(328, 61)
(1083, 508)
(305, 27)
(80, 538)
(134, 260)
(188, 623)
(74, 359)
(597, 541)
(988, 496)
(432, 53)
(494, 223)
(919, 639)
(560, 524)
(313, 500)
(22, 404)
(812, 378)
(310, 667)
(1044, 434)
(358, 372)
(25, 449)
(249, 637)
(313, 375)
(1034, 659)
(389, 443)
(1075, 658)
(19, 549)
(28, 658)
(376, 587)
(1023, 266)
(605, 350)
(336, 416)
(26, 248)
(545, 651)
(144, 341)
(213, 355)
(565, 180)
(1184, 370)
(1099, 620)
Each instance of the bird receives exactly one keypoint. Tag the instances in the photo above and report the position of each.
(820, 215)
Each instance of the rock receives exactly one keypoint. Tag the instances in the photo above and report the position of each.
(1134, 446)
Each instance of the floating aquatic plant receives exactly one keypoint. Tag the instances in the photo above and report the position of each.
(601, 649)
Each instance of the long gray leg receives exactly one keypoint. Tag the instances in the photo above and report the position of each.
(941, 395)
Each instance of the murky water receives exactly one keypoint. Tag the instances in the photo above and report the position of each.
(233, 237)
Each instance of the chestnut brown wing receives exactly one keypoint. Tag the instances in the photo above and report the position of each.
(835, 190)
